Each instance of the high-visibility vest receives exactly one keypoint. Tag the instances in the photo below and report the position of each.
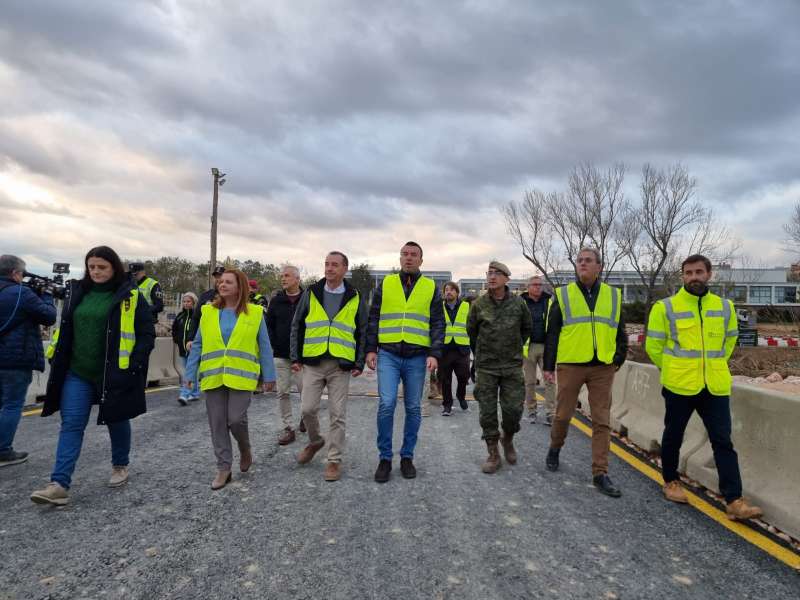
(584, 332)
(456, 330)
(127, 332)
(690, 338)
(236, 365)
(146, 287)
(337, 336)
(405, 320)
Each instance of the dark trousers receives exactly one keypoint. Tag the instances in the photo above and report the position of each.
(453, 361)
(715, 411)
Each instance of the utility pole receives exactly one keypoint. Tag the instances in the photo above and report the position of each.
(219, 180)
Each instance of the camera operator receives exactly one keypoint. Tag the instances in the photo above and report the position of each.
(21, 313)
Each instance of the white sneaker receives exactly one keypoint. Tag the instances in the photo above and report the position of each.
(119, 476)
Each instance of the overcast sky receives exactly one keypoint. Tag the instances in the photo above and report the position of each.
(359, 125)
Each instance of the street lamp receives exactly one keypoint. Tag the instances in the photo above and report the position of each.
(219, 179)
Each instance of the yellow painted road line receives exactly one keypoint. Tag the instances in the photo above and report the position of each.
(38, 411)
(759, 540)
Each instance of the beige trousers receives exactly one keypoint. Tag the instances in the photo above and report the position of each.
(315, 379)
(283, 385)
(535, 358)
(227, 415)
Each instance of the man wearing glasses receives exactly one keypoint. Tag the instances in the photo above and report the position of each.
(586, 343)
(533, 351)
(498, 325)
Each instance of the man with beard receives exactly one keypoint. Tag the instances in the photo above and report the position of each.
(690, 337)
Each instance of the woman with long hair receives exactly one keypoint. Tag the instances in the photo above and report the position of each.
(230, 354)
(100, 357)
(181, 328)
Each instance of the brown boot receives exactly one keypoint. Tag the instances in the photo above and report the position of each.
(222, 479)
(673, 490)
(508, 448)
(333, 471)
(493, 461)
(287, 437)
(740, 510)
(307, 453)
(245, 459)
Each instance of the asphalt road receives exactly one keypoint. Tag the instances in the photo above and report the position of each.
(280, 531)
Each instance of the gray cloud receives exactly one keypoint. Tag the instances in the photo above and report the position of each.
(345, 116)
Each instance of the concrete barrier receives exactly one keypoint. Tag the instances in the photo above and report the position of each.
(766, 427)
(162, 361)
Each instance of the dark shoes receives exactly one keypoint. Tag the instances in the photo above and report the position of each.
(287, 437)
(446, 412)
(603, 483)
(302, 426)
(383, 471)
(463, 404)
(407, 469)
(551, 462)
(10, 457)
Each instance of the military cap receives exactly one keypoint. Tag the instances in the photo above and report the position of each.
(498, 266)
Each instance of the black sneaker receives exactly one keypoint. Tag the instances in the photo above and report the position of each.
(548, 420)
(383, 471)
(603, 483)
(552, 459)
(407, 469)
(464, 405)
(302, 427)
(446, 412)
(10, 457)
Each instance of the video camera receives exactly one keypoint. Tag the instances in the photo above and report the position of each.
(49, 285)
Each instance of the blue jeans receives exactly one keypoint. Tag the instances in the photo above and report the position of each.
(77, 397)
(185, 392)
(392, 369)
(13, 387)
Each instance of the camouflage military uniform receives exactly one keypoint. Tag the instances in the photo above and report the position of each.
(497, 330)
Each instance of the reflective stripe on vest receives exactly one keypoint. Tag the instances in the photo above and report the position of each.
(146, 287)
(694, 348)
(236, 365)
(585, 332)
(405, 320)
(336, 337)
(456, 330)
(127, 331)
(51, 347)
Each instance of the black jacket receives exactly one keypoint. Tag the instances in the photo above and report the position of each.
(121, 393)
(205, 298)
(279, 323)
(180, 331)
(538, 310)
(299, 327)
(555, 322)
(436, 324)
(21, 314)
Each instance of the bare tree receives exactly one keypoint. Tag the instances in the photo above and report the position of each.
(792, 229)
(669, 224)
(552, 227)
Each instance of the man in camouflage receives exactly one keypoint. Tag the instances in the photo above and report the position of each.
(498, 325)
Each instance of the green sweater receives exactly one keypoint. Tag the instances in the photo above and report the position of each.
(89, 326)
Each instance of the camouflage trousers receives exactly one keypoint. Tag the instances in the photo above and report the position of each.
(506, 387)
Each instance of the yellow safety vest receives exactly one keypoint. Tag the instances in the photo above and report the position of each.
(236, 365)
(584, 332)
(146, 287)
(456, 330)
(691, 339)
(337, 336)
(405, 320)
(127, 332)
